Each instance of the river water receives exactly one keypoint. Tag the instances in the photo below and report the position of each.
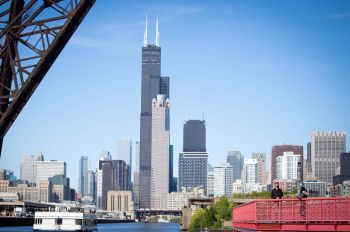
(144, 227)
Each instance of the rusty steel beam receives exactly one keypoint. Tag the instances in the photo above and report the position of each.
(29, 45)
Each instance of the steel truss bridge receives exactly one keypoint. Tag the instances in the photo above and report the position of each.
(311, 214)
(142, 213)
(32, 35)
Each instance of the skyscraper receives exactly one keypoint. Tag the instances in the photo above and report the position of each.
(136, 186)
(344, 174)
(194, 136)
(235, 159)
(172, 188)
(160, 152)
(278, 150)
(287, 166)
(261, 158)
(250, 175)
(326, 148)
(83, 167)
(193, 161)
(210, 183)
(29, 167)
(47, 169)
(104, 157)
(113, 175)
(193, 170)
(152, 85)
(124, 152)
(90, 184)
(309, 153)
(223, 180)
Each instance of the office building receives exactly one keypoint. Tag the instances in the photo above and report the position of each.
(288, 186)
(223, 180)
(136, 185)
(193, 161)
(278, 150)
(28, 167)
(210, 184)
(160, 152)
(112, 175)
(120, 201)
(179, 200)
(261, 158)
(172, 187)
(194, 136)
(309, 153)
(47, 169)
(7, 175)
(45, 190)
(105, 157)
(344, 174)
(124, 152)
(316, 188)
(235, 159)
(193, 170)
(90, 184)
(250, 175)
(60, 188)
(83, 167)
(288, 166)
(237, 187)
(326, 148)
(40, 192)
(152, 85)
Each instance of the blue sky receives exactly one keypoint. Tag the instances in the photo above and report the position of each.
(262, 72)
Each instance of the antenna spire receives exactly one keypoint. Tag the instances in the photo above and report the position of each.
(145, 34)
(157, 33)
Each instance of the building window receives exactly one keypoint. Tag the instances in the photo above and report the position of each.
(78, 222)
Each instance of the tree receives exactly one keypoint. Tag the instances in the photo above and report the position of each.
(212, 216)
(197, 221)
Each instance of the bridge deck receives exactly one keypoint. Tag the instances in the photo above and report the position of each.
(312, 214)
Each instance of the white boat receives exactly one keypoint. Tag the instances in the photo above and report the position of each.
(163, 220)
(64, 221)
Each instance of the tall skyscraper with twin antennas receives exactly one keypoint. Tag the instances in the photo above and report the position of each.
(153, 84)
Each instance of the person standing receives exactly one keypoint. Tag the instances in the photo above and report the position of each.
(303, 194)
(276, 193)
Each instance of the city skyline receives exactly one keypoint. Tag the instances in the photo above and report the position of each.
(268, 81)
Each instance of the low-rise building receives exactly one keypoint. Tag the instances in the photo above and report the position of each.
(27, 192)
(287, 186)
(237, 187)
(178, 200)
(316, 188)
(120, 201)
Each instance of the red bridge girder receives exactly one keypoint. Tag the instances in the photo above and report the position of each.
(312, 214)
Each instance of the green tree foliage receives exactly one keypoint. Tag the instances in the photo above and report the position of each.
(212, 216)
(253, 195)
(197, 220)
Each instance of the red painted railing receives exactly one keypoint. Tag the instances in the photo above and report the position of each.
(332, 211)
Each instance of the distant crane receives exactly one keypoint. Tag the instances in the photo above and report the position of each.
(32, 35)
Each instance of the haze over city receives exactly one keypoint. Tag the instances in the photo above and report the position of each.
(261, 74)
